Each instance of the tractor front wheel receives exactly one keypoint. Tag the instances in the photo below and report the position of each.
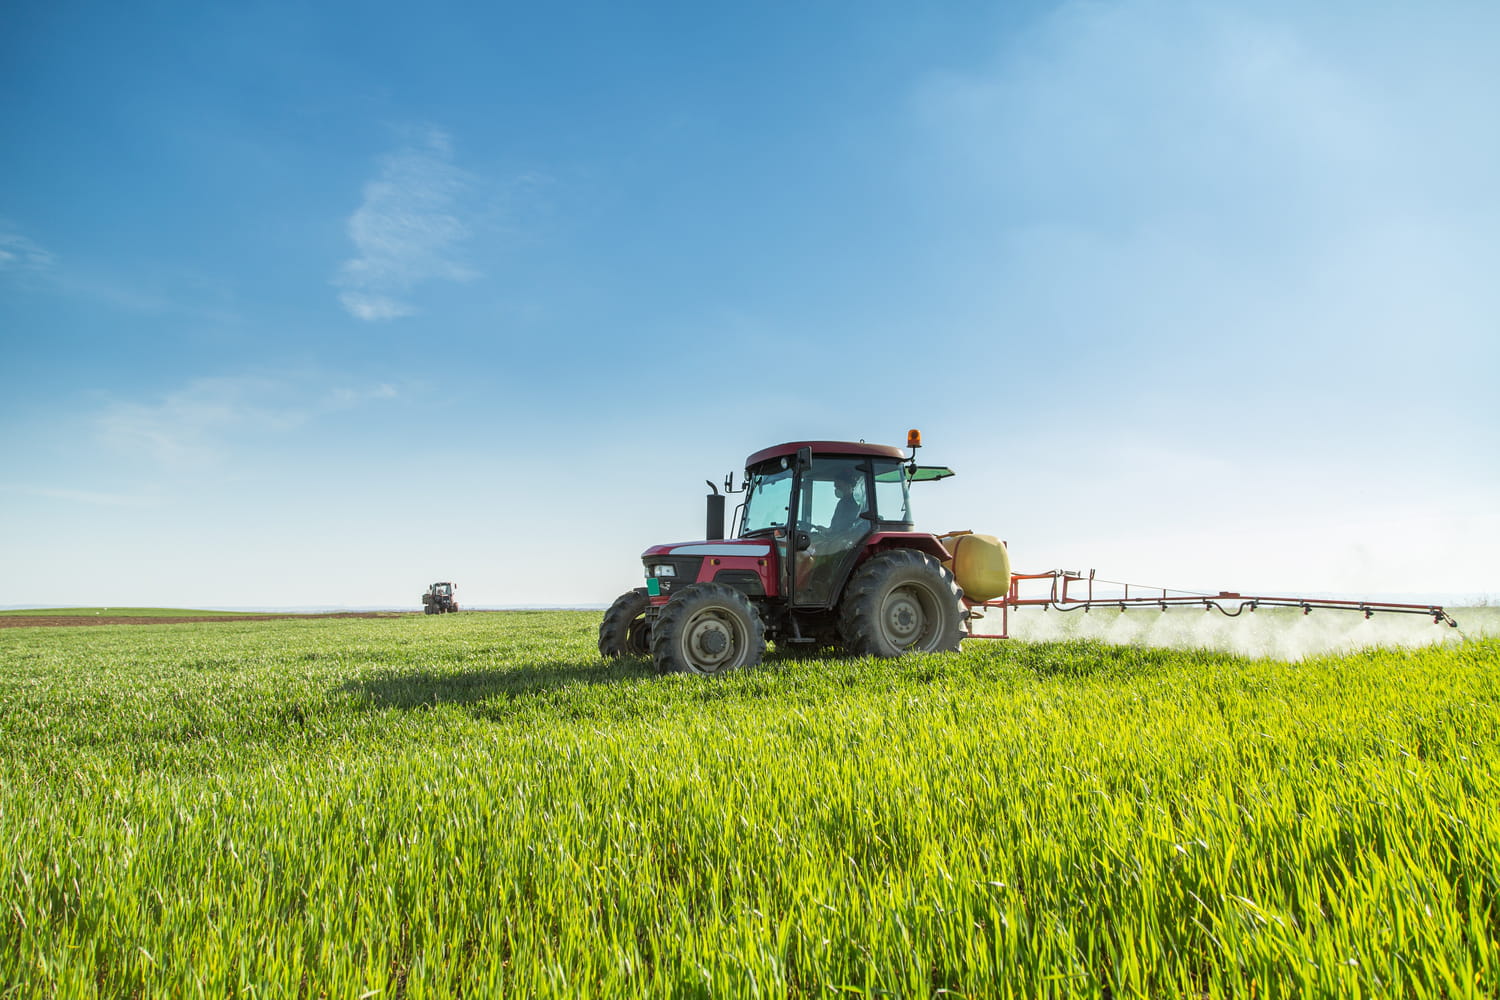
(901, 601)
(707, 628)
(625, 631)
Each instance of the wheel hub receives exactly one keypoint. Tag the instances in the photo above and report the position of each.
(711, 642)
(904, 618)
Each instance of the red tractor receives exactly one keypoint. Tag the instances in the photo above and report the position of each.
(826, 554)
(439, 599)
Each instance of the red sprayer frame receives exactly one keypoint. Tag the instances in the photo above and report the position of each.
(1061, 598)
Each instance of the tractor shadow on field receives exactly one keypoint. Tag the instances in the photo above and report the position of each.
(492, 688)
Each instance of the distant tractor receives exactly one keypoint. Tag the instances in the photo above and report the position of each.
(826, 555)
(439, 599)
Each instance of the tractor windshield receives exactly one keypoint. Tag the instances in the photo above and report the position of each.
(767, 500)
(834, 494)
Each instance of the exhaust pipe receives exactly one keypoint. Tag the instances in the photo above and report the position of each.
(715, 529)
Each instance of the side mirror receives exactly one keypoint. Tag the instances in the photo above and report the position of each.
(804, 457)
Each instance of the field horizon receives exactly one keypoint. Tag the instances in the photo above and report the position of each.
(1283, 633)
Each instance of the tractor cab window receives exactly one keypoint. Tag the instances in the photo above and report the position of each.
(892, 500)
(767, 501)
(834, 496)
(832, 504)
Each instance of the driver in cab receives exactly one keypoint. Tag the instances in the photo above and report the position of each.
(819, 564)
(845, 520)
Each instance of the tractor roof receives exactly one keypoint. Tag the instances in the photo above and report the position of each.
(825, 448)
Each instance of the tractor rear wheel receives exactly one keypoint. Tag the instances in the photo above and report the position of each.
(625, 631)
(707, 628)
(901, 601)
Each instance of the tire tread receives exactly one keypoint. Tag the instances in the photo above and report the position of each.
(684, 603)
(614, 631)
(860, 609)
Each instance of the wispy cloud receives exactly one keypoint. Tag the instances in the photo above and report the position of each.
(186, 293)
(346, 398)
(94, 497)
(197, 424)
(17, 253)
(407, 231)
(1289, 173)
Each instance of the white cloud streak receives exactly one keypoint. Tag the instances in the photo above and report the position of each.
(196, 425)
(407, 231)
(92, 497)
(17, 253)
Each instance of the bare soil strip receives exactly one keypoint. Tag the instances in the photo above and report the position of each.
(56, 621)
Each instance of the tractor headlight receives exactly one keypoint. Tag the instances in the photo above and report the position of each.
(663, 569)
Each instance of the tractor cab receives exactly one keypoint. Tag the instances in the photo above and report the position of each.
(824, 537)
(824, 500)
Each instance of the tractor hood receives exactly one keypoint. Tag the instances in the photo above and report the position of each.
(742, 547)
(744, 563)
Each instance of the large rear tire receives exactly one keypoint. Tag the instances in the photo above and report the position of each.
(707, 628)
(901, 601)
(625, 631)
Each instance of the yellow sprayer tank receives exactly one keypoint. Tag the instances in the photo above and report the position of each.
(980, 564)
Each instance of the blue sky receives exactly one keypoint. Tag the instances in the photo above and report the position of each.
(311, 305)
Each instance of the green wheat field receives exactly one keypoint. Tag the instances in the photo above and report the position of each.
(476, 805)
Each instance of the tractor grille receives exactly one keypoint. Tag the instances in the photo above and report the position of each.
(686, 571)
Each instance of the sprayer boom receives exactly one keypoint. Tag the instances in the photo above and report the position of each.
(1061, 594)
